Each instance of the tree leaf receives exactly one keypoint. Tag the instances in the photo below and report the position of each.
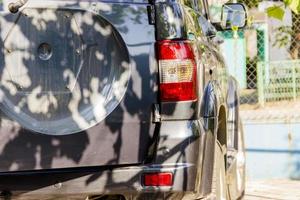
(276, 12)
(294, 5)
(288, 2)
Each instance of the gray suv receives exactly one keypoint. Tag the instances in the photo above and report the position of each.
(118, 99)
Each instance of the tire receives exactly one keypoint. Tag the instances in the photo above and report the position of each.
(241, 163)
(236, 174)
(219, 184)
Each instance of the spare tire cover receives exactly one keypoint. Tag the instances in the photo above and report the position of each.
(63, 71)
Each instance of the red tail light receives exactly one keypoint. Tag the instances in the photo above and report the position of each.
(178, 71)
(158, 179)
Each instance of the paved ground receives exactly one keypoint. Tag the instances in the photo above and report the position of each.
(275, 111)
(273, 189)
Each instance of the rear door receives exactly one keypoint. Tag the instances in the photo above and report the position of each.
(77, 84)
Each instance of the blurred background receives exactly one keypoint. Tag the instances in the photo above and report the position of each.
(265, 59)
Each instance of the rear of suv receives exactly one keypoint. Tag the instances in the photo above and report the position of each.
(117, 100)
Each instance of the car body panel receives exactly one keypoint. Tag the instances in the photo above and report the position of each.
(110, 157)
(125, 133)
(176, 153)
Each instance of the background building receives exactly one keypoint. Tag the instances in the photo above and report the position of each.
(267, 66)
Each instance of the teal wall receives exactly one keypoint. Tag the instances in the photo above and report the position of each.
(234, 52)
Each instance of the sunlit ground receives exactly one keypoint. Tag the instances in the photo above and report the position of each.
(273, 189)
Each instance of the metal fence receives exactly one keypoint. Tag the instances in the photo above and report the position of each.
(278, 81)
(266, 62)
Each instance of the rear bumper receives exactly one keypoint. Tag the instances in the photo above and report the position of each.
(179, 150)
(125, 181)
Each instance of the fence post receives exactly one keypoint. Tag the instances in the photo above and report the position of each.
(294, 82)
(260, 84)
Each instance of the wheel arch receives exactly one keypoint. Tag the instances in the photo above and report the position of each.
(221, 132)
(212, 106)
(233, 109)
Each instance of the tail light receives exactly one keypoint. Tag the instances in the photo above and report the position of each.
(158, 179)
(177, 70)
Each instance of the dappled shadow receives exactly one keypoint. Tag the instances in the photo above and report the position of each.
(65, 71)
(67, 85)
(83, 73)
(29, 151)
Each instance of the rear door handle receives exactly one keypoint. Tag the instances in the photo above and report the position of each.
(15, 6)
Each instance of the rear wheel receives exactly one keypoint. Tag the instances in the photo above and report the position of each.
(237, 171)
(229, 183)
(219, 184)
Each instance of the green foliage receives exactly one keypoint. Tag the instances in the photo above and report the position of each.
(287, 2)
(294, 5)
(282, 36)
(276, 12)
